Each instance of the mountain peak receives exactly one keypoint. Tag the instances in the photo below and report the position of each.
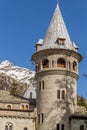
(6, 63)
(18, 73)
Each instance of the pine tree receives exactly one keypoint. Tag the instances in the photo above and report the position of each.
(14, 87)
(81, 102)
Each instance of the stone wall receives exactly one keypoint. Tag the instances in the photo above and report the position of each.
(75, 124)
(17, 123)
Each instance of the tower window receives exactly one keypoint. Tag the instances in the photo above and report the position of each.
(61, 63)
(69, 65)
(58, 94)
(42, 84)
(42, 116)
(81, 127)
(62, 127)
(45, 63)
(30, 95)
(39, 85)
(63, 94)
(52, 63)
(58, 127)
(74, 66)
(39, 118)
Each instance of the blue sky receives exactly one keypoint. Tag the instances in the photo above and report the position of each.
(23, 22)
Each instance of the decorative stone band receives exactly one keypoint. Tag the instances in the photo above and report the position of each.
(57, 72)
(52, 51)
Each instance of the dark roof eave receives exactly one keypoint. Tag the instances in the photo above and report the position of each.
(17, 110)
(78, 117)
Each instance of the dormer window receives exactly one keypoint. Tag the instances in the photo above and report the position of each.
(60, 41)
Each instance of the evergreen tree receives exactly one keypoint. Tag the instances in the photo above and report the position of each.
(14, 88)
(81, 102)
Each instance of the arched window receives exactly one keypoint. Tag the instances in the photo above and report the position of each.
(81, 127)
(74, 66)
(9, 107)
(58, 94)
(25, 128)
(63, 94)
(26, 107)
(61, 63)
(8, 126)
(22, 107)
(45, 63)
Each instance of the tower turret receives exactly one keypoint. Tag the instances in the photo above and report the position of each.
(56, 60)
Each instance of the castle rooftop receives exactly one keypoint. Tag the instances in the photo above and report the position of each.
(57, 35)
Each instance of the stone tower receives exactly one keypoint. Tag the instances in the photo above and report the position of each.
(56, 59)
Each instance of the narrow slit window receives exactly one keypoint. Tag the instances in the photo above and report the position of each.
(39, 85)
(58, 94)
(62, 127)
(42, 117)
(63, 94)
(30, 95)
(39, 118)
(69, 66)
(42, 84)
(58, 127)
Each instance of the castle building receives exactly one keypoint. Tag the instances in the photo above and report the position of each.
(57, 71)
(57, 67)
(16, 113)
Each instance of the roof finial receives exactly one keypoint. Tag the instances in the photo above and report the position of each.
(57, 2)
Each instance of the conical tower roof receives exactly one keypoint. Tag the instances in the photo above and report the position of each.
(57, 31)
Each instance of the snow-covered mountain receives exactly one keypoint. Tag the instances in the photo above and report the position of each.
(21, 75)
(18, 73)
